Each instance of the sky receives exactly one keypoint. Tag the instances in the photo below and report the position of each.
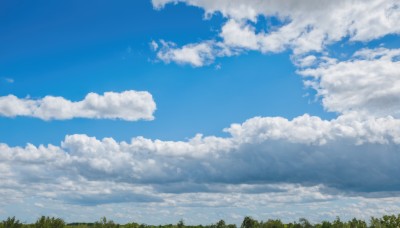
(159, 110)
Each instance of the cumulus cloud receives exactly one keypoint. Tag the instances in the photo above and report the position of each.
(369, 82)
(305, 26)
(128, 105)
(265, 162)
(347, 155)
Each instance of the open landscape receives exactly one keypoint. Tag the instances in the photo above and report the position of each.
(199, 113)
(387, 221)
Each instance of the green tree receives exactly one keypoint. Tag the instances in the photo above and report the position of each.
(131, 225)
(305, 223)
(249, 222)
(337, 223)
(180, 224)
(293, 225)
(355, 223)
(220, 224)
(326, 224)
(390, 221)
(49, 222)
(104, 223)
(11, 222)
(270, 223)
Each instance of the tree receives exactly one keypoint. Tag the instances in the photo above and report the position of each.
(180, 224)
(375, 223)
(11, 222)
(293, 225)
(305, 223)
(326, 224)
(131, 225)
(221, 224)
(104, 223)
(337, 223)
(355, 223)
(270, 223)
(47, 222)
(249, 222)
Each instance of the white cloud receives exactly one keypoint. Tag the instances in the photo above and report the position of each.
(272, 150)
(265, 161)
(197, 55)
(306, 25)
(154, 45)
(304, 61)
(367, 82)
(194, 54)
(128, 105)
(239, 35)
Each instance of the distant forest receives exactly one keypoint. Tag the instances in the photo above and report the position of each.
(386, 221)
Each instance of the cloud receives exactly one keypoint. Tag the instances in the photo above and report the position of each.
(304, 61)
(128, 105)
(288, 167)
(348, 155)
(91, 193)
(194, 54)
(154, 45)
(240, 35)
(8, 80)
(368, 82)
(272, 165)
(305, 26)
(197, 55)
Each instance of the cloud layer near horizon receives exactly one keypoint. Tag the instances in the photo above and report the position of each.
(348, 155)
(128, 105)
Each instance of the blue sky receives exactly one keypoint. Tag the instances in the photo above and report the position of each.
(71, 49)
(192, 109)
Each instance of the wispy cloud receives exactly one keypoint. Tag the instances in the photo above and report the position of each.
(7, 79)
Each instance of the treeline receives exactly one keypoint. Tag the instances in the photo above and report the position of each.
(386, 221)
